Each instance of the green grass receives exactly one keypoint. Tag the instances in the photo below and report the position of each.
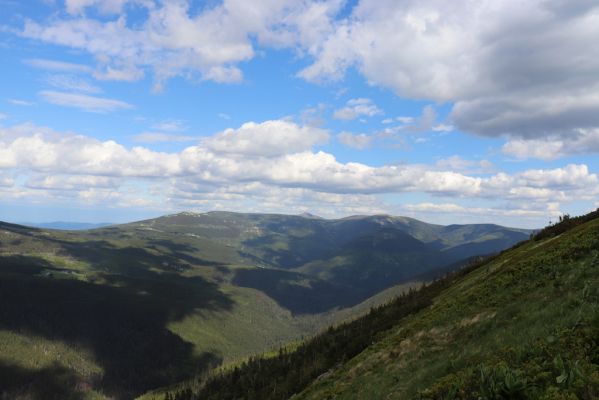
(509, 321)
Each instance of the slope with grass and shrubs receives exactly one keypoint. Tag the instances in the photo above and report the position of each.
(521, 325)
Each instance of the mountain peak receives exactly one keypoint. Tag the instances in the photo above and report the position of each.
(310, 215)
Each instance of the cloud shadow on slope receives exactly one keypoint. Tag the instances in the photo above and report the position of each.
(121, 320)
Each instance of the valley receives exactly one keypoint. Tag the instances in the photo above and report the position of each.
(522, 324)
(117, 311)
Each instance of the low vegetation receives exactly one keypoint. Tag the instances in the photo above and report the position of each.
(521, 325)
(121, 310)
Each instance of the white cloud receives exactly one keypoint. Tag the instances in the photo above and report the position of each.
(357, 108)
(259, 197)
(84, 102)
(269, 138)
(44, 150)
(3, 116)
(174, 41)
(460, 210)
(105, 6)
(526, 69)
(457, 163)
(551, 148)
(570, 176)
(425, 122)
(70, 182)
(272, 156)
(523, 69)
(357, 141)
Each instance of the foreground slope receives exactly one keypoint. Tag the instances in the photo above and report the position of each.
(524, 324)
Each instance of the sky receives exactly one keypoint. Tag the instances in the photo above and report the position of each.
(449, 112)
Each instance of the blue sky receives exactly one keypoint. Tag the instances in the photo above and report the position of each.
(115, 110)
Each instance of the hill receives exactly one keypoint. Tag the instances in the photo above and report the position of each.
(116, 311)
(520, 325)
(369, 252)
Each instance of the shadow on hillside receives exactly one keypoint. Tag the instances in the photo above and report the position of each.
(132, 261)
(295, 252)
(49, 383)
(296, 292)
(121, 320)
(182, 251)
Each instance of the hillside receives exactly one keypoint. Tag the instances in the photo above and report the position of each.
(525, 325)
(521, 325)
(116, 311)
(363, 253)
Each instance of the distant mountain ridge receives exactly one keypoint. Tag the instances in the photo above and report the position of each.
(366, 253)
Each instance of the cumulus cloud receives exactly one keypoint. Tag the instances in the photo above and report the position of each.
(278, 157)
(105, 6)
(84, 102)
(174, 41)
(278, 153)
(525, 69)
(258, 197)
(70, 182)
(269, 138)
(356, 108)
(551, 148)
(43, 150)
(457, 163)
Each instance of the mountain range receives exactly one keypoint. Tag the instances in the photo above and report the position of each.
(116, 311)
(521, 324)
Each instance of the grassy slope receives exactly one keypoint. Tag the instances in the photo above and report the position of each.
(70, 301)
(525, 325)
